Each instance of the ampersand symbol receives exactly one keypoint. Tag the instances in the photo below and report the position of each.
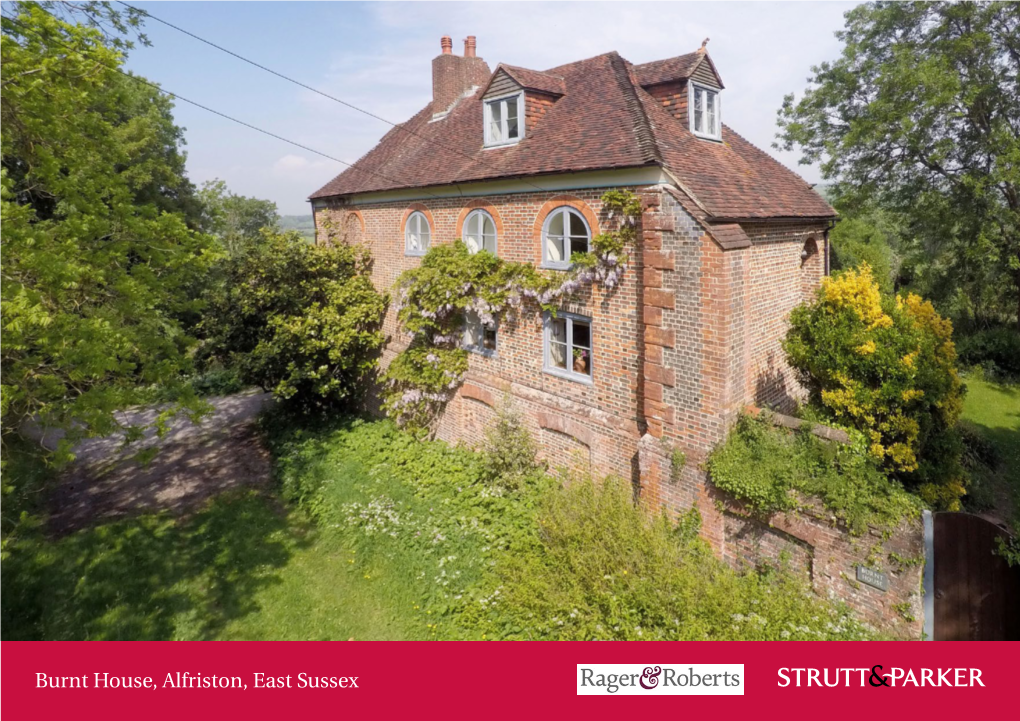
(876, 677)
(650, 677)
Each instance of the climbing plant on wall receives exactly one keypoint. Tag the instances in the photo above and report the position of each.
(433, 299)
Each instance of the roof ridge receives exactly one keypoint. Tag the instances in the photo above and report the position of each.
(530, 70)
(642, 126)
(578, 62)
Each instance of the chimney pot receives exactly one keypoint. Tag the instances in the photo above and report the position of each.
(470, 45)
(447, 44)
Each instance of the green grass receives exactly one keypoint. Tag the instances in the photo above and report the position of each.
(993, 410)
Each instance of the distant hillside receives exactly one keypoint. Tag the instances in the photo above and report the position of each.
(301, 223)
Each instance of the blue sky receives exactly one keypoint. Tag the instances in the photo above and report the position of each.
(378, 56)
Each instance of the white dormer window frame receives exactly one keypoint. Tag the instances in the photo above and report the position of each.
(708, 101)
(498, 116)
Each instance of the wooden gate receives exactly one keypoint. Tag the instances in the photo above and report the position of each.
(977, 594)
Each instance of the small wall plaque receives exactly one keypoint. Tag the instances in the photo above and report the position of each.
(873, 578)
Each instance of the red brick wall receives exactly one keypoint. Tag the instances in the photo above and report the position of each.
(780, 281)
(673, 97)
(605, 417)
(535, 106)
(691, 336)
(810, 543)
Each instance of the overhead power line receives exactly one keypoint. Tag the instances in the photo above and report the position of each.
(352, 106)
(172, 94)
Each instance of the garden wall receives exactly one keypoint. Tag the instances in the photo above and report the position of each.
(811, 542)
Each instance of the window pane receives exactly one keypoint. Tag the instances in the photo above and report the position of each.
(554, 249)
(558, 354)
(511, 119)
(470, 334)
(710, 113)
(554, 243)
(488, 227)
(577, 225)
(489, 243)
(489, 338)
(558, 329)
(424, 232)
(556, 223)
(471, 235)
(698, 110)
(582, 335)
(578, 245)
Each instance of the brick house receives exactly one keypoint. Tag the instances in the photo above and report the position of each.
(515, 161)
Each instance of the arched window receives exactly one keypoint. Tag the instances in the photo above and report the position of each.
(479, 232)
(417, 234)
(565, 232)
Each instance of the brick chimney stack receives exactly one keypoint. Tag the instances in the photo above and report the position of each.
(454, 76)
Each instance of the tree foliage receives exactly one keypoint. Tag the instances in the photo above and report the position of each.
(297, 319)
(235, 219)
(99, 261)
(921, 113)
(887, 367)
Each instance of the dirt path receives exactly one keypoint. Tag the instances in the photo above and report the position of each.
(194, 462)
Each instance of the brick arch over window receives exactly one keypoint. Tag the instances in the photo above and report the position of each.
(558, 202)
(480, 205)
(343, 217)
(482, 395)
(424, 211)
(567, 427)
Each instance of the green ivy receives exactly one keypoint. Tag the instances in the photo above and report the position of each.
(770, 469)
(433, 299)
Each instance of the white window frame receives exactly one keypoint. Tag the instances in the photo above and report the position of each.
(471, 319)
(421, 219)
(479, 212)
(504, 100)
(717, 134)
(567, 210)
(569, 373)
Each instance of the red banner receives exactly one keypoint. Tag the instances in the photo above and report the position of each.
(506, 680)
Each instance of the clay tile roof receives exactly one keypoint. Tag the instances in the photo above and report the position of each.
(535, 79)
(730, 236)
(604, 119)
(663, 71)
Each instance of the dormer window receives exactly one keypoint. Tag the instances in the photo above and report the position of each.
(705, 112)
(504, 120)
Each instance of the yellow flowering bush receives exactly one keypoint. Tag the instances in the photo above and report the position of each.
(887, 367)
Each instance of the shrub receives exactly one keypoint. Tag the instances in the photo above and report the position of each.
(598, 568)
(297, 319)
(510, 451)
(996, 350)
(887, 367)
(768, 468)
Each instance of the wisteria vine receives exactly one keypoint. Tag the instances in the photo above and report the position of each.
(432, 300)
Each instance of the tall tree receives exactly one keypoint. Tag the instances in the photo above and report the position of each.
(921, 113)
(235, 219)
(99, 263)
